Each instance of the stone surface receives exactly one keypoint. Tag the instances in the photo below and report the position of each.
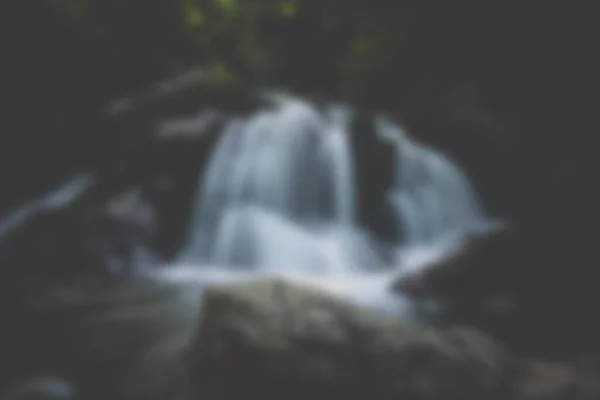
(269, 338)
(560, 381)
(523, 286)
(120, 340)
(274, 339)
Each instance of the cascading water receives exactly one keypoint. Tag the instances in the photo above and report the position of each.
(432, 197)
(279, 196)
(278, 186)
(58, 198)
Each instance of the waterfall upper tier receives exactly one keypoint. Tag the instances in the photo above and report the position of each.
(280, 191)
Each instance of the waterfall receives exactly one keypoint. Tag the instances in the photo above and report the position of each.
(64, 195)
(279, 183)
(339, 150)
(431, 195)
(279, 196)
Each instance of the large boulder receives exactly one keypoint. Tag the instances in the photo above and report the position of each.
(560, 381)
(274, 339)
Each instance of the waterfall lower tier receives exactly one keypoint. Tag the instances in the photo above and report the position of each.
(254, 238)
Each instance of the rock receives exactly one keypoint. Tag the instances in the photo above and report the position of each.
(156, 142)
(120, 233)
(166, 135)
(98, 236)
(274, 339)
(478, 270)
(520, 285)
(374, 171)
(559, 381)
(125, 340)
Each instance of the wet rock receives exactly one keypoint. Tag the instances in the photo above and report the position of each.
(144, 339)
(120, 232)
(374, 169)
(156, 141)
(167, 134)
(125, 340)
(520, 285)
(104, 237)
(277, 339)
(546, 380)
(479, 269)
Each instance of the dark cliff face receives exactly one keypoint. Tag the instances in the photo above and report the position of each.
(530, 289)
(79, 239)
(156, 144)
(374, 174)
(167, 136)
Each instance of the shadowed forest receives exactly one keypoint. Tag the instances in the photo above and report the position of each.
(512, 78)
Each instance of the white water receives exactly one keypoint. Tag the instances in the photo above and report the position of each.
(289, 163)
(432, 196)
(61, 197)
(279, 198)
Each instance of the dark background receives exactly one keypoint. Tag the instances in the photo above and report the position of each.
(504, 88)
